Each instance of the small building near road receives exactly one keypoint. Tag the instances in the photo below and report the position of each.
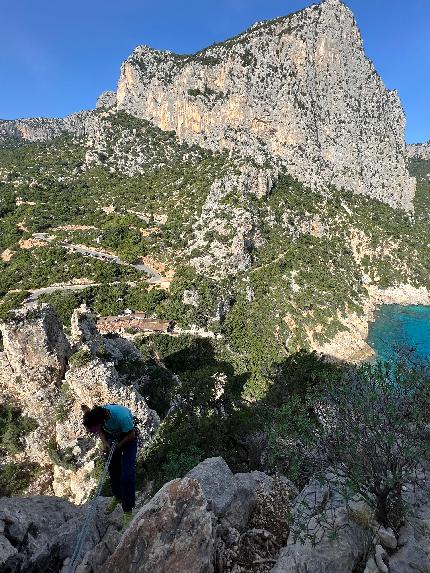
(136, 321)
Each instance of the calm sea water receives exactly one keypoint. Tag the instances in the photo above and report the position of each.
(401, 331)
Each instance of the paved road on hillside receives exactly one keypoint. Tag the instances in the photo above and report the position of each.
(88, 252)
(33, 297)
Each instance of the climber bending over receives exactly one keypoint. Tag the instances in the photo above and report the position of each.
(114, 422)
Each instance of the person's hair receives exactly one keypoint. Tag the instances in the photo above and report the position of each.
(94, 417)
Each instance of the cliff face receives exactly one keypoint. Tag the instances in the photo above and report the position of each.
(49, 378)
(418, 151)
(298, 91)
(42, 128)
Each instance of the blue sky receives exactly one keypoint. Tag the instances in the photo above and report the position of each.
(57, 56)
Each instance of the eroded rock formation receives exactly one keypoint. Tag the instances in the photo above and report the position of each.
(42, 128)
(419, 151)
(48, 379)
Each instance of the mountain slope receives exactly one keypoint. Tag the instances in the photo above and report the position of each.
(270, 263)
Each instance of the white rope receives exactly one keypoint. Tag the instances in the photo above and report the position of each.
(90, 514)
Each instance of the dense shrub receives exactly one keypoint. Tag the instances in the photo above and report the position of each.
(13, 427)
(15, 478)
(366, 434)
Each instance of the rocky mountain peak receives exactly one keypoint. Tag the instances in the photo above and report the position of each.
(296, 92)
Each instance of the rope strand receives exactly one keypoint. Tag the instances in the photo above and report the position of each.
(90, 514)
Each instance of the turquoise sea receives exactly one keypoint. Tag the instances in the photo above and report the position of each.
(401, 332)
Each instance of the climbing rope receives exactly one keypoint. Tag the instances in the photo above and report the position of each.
(90, 514)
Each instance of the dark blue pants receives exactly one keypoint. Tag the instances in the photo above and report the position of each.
(122, 471)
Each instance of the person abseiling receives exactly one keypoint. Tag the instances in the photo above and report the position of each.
(113, 422)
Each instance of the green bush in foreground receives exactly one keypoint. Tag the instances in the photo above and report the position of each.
(366, 435)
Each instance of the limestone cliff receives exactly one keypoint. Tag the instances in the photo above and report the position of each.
(418, 150)
(42, 128)
(49, 378)
(298, 90)
(296, 93)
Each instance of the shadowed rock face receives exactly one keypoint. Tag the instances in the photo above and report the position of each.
(298, 90)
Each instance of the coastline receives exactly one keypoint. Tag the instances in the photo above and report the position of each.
(351, 345)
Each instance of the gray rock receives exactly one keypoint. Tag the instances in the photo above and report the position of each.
(337, 548)
(32, 528)
(381, 559)
(387, 538)
(231, 497)
(106, 100)
(217, 483)
(42, 128)
(418, 150)
(173, 533)
(371, 566)
(35, 344)
(7, 550)
(411, 558)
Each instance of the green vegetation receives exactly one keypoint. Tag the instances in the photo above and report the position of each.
(311, 256)
(62, 457)
(80, 358)
(367, 428)
(15, 478)
(108, 300)
(13, 427)
(212, 413)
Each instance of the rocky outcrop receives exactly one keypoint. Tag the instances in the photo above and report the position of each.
(224, 234)
(231, 497)
(333, 541)
(214, 520)
(35, 346)
(106, 100)
(173, 532)
(42, 128)
(202, 523)
(49, 379)
(39, 533)
(297, 91)
(418, 151)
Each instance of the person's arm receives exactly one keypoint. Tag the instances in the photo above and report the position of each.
(128, 437)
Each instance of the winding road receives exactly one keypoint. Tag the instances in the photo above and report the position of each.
(156, 278)
(102, 256)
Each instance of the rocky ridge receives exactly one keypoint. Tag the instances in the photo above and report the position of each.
(213, 520)
(418, 150)
(42, 128)
(297, 91)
